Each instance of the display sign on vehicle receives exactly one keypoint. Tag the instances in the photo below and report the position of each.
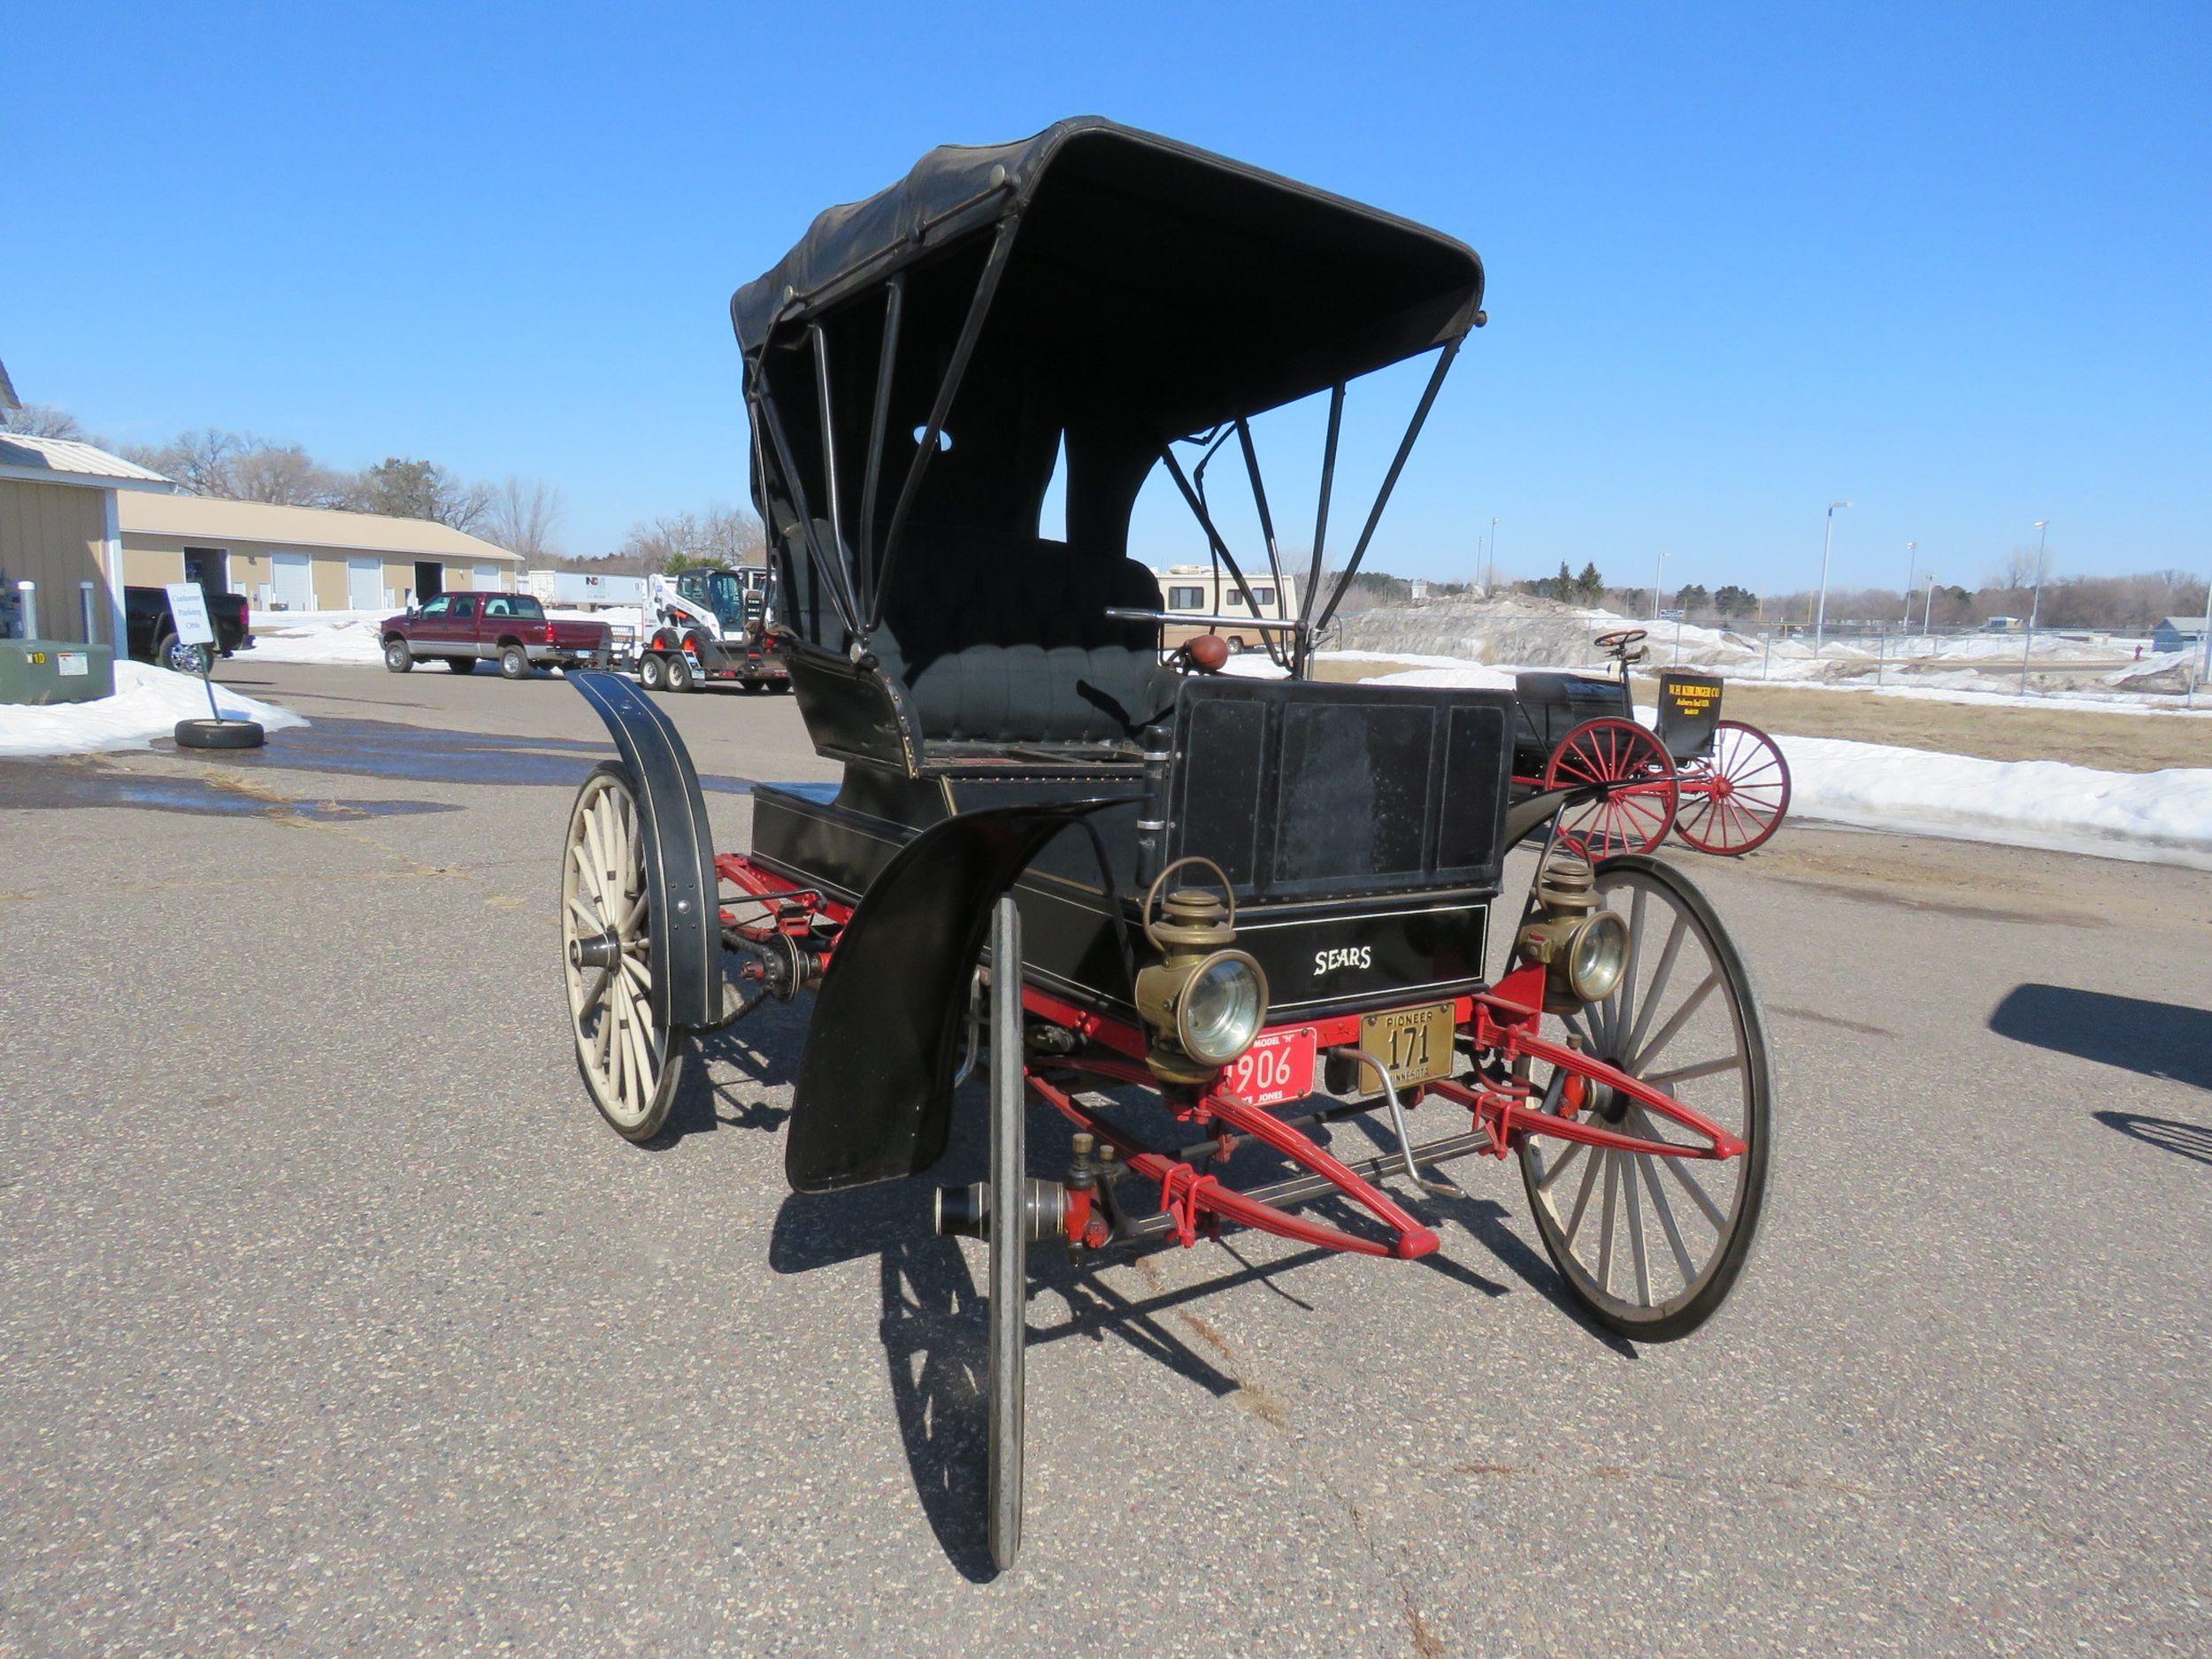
(1278, 1067)
(1414, 1043)
(71, 664)
(187, 609)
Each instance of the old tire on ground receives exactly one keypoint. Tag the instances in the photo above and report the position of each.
(220, 734)
(397, 657)
(1686, 995)
(681, 675)
(652, 672)
(1632, 817)
(514, 663)
(632, 1065)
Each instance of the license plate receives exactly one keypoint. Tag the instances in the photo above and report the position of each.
(1415, 1044)
(1278, 1067)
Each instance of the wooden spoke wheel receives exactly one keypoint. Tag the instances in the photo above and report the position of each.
(1632, 817)
(1651, 1245)
(1009, 1269)
(1734, 801)
(631, 1058)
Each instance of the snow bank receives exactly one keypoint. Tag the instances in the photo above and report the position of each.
(147, 703)
(2165, 817)
(316, 636)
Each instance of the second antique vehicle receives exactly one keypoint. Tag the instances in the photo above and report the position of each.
(153, 631)
(1722, 786)
(1208, 921)
(701, 625)
(462, 629)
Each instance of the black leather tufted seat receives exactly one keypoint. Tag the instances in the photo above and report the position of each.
(1005, 639)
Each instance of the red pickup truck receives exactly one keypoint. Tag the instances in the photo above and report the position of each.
(464, 629)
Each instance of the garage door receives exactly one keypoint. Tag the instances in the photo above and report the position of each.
(292, 581)
(364, 584)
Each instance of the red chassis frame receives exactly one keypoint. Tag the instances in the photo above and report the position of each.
(1501, 1024)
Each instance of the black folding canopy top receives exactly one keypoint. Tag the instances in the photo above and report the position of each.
(920, 360)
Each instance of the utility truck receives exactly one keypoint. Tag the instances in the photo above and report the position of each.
(707, 625)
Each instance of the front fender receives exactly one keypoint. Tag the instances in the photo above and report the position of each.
(874, 1100)
(685, 915)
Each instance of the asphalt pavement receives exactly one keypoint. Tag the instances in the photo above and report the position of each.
(333, 1320)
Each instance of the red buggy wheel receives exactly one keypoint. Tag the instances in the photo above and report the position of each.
(1734, 802)
(1630, 819)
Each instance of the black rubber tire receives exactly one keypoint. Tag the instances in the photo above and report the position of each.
(1680, 1321)
(220, 734)
(652, 672)
(461, 665)
(514, 663)
(398, 658)
(680, 677)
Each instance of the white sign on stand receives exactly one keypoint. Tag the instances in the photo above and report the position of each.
(188, 609)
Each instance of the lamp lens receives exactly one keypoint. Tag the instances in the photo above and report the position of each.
(1222, 1008)
(1598, 956)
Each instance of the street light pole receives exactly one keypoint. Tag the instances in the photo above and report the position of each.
(1820, 615)
(1494, 553)
(2035, 605)
(1658, 580)
(1911, 566)
(2207, 673)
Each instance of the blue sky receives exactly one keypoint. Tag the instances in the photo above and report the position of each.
(1950, 263)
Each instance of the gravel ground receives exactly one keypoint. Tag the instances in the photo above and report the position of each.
(333, 1321)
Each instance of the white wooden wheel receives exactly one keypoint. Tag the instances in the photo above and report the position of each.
(631, 1062)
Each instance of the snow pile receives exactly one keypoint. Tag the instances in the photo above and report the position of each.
(318, 636)
(2164, 671)
(2162, 816)
(147, 703)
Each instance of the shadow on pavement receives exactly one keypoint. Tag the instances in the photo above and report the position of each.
(2168, 1134)
(390, 748)
(2161, 1039)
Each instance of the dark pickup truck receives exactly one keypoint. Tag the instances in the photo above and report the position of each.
(153, 631)
(464, 629)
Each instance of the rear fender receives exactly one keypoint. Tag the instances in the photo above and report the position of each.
(684, 917)
(874, 1100)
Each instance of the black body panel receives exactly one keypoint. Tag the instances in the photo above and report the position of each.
(684, 921)
(1552, 704)
(1305, 790)
(873, 1100)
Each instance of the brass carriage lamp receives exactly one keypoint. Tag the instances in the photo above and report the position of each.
(1203, 1002)
(1582, 945)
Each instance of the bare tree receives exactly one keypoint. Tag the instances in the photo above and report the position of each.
(41, 420)
(522, 514)
(2023, 567)
(722, 536)
(287, 475)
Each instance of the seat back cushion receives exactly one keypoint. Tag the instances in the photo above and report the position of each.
(1005, 639)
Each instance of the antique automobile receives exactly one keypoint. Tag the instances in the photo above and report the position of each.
(1722, 786)
(1216, 923)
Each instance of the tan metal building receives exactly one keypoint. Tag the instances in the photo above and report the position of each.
(58, 531)
(304, 558)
